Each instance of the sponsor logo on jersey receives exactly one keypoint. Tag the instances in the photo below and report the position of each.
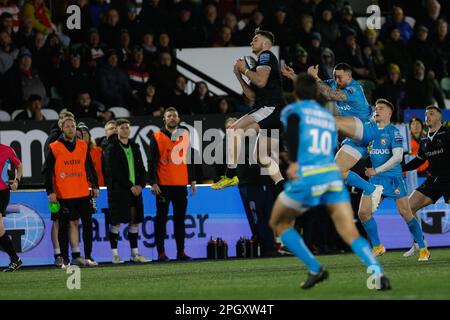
(380, 151)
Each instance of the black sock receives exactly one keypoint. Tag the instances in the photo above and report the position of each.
(230, 173)
(279, 187)
(133, 238)
(7, 245)
(57, 255)
(75, 255)
(113, 239)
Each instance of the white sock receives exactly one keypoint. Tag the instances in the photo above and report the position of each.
(115, 252)
(76, 249)
(57, 250)
(134, 252)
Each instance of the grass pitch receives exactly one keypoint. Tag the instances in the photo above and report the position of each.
(274, 278)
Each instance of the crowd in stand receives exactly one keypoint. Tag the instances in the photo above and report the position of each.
(124, 53)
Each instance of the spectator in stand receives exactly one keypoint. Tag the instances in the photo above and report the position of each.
(33, 110)
(280, 27)
(348, 21)
(97, 11)
(396, 51)
(441, 43)
(304, 6)
(179, 98)
(21, 81)
(372, 57)
(246, 35)
(54, 56)
(85, 108)
(25, 36)
(95, 49)
(349, 51)
(305, 30)
(326, 65)
(223, 106)
(230, 21)
(224, 38)
(149, 103)
(421, 89)
(422, 49)
(38, 12)
(300, 62)
(397, 22)
(125, 49)
(7, 24)
(114, 86)
(165, 75)
(150, 49)
(110, 29)
(186, 32)
(132, 23)
(41, 59)
(431, 16)
(393, 89)
(314, 48)
(209, 24)
(328, 27)
(8, 6)
(73, 79)
(417, 133)
(201, 100)
(154, 15)
(8, 53)
(138, 72)
(164, 43)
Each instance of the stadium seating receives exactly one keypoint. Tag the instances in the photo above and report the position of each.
(15, 113)
(445, 86)
(50, 114)
(4, 116)
(120, 112)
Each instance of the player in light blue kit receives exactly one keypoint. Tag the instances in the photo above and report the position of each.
(315, 180)
(351, 104)
(386, 152)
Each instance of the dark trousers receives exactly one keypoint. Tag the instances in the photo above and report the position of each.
(177, 195)
(258, 202)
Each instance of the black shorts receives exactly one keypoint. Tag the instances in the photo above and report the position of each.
(267, 117)
(434, 188)
(4, 201)
(116, 217)
(55, 216)
(73, 208)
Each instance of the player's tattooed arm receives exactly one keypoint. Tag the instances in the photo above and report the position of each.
(330, 94)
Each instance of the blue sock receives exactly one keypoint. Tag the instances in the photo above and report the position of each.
(356, 181)
(372, 231)
(416, 231)
(362, 249)
(296, 245)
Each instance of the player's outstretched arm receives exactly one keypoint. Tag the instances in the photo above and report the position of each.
(325, 90)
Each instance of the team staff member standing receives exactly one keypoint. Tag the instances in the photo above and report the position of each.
(69, 173)
(7, 154)
(169, 176)
(125, 178)
(55, 133)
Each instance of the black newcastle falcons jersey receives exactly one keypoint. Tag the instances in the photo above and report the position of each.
(272, 94)
(435, 148)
